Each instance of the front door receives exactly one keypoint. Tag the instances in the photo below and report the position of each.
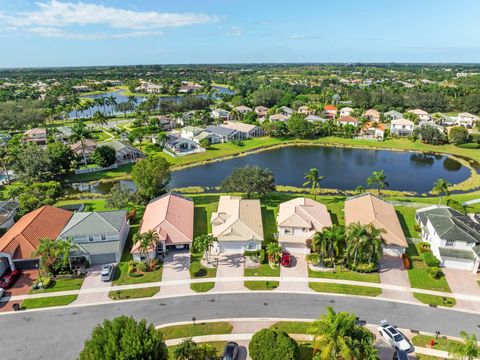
(159, 249)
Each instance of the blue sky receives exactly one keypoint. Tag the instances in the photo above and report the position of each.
(107, 32)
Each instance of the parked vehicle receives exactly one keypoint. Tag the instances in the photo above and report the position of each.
(230, 352)
(400, 355)
(9, 279)
(286, 259)
(394, 337)
(2, 292)
(107, 272)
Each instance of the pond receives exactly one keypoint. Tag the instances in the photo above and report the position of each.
(343, 168)
(120, 97)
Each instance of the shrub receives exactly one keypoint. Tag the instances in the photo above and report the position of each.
(406, 261)
(152, 264)
(268, 344)
(435, 272)
(141, 266)
(430, 259)
(258, 253)
(195, 268)
(457, 205)
(44, 282)
(313, 258)
(424, 247)
(365, 268)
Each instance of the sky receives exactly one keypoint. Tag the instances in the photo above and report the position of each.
(46, 33)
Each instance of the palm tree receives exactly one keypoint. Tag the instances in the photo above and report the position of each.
(378, 178)
(273, 251)
(204, 243)
(81, 133)
(132, 99)
(320, 245)
(100, 102)
(441, 187)
(468, 349)
(364, 244)
(99, 118)
(313, 179)
(146, 241)
(5, 159)
(112, 100)
(186, 350)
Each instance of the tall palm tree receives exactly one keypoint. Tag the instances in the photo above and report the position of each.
(5, 159)
(99, 118)
(273, 251)
(112, 102)
(132, 99)
(320, 245)
(313, 179)
(468, 349)
(81, 133)
(441, 187)
(146, 241)
(378, 178)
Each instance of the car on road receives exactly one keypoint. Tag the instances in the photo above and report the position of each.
(230, 352)
(107, 272)
(286, 259)
(9, 279)
(394, 337)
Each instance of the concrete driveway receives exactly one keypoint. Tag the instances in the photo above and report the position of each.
(93, 281)
(463, 282)
(393, 273)
(298, 269)
(230, 265)
(175, 267)
(21, 287)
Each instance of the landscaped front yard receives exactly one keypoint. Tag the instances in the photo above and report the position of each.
(197, 271)
(199, 329)
(439, 344)
(293, 327)
(48, 301)
(65, 284)
(435, 300)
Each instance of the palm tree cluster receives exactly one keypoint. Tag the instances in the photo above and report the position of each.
(54, 254)
(338, 336)
(190, 350)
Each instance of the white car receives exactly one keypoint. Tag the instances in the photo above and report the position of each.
(107, 272)
(394, 337)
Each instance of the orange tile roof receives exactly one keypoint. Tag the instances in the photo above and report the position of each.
(24, 236)
(329, 107)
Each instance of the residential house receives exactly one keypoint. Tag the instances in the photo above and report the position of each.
(189, 132)
(36, 135)
(180, 146)
(225, 134)
(431, 123)
(19, 243)
(369, 209)
(285, 110)
(197, 134)
(8, 210)
(165, 122)
(189, 87)
(242, 109)
(99, 237)
(372, 115)
(305, 110)
(89, 147)
(315, 118)
(298, 220)
(401, 127)
(149, 88)
(247, 130)
(125, 152)
(454, 237)
(393, 115)
(62, 133)
(422, 114)
(346, 111)
(348, 120)
(261, 111)
(373, 130)
(220, 114)
(278, 117)
(80, 88)
(330, 111)
(237, 225)
(466, 119)
(171, 217)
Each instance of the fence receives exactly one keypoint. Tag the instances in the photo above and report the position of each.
(95, 169)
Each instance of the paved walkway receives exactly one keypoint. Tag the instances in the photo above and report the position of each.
(298, 269)
(463, 282)
(393, 273)
(230, 266)
(93, 282)
(175, 267)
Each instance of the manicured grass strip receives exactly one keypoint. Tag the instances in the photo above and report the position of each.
(199, 329)
(293, 327)
(217, 345)
(133, 293)
(61, 285)
(345, 274)
(202, 287)
(48, 301)
(261, 285)
(421, 279)
(345, 289)
(435, 300)
(440, 343)
(263, 270)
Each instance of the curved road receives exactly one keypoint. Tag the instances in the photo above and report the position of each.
(60, 333)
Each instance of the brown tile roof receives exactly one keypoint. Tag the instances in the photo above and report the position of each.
(369, 209)
(348, 119)
(24, 237)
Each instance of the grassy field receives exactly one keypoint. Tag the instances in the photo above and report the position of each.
(199, 329)
(48, 301)
(440, 343)
(61, 285)
(133, 293)
(435, 300)
(261, 285)
(217, 345)
(406, 216)
(344, 274)
(345, 289)
(292, 327)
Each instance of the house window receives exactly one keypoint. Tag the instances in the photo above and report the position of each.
(90, 238)
(450, 243)
(304, 229)
(288, 230)
(252, 246)
(104, 237)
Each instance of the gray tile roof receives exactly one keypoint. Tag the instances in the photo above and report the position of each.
(219, 130)
(86, 223)
(96, 248)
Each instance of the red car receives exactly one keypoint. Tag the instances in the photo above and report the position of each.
(9, 279)
(286, 259)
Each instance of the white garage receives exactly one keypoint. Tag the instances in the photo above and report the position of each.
(237, 246)
(455, 263)
(294, 248)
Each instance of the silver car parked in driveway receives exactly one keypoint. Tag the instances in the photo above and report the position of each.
(107, 272)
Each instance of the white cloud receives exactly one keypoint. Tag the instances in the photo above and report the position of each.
(52, 32)
(50, 18)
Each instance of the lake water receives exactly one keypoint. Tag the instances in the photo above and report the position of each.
(120, 97)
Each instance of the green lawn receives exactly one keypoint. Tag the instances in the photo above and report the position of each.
(293, 327)
(90, 204)
(48, 301)
(204, 272)
(345, 274)
(345, 289)
(435, 300)
(406, 216)
(199, 329)
(61, 285)
(122, 172)
(134, 293)
(261, 285)
(122, 277)
(440, 343)
(217, 345)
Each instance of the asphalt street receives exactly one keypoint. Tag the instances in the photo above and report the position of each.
(60, 333)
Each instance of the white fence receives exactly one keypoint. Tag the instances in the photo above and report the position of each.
(95, 169)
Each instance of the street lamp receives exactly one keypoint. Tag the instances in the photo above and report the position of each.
(194, 319)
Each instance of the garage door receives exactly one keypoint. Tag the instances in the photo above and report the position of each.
(295, 248)
(102, 259)
(25, 264)
(458, 264)
(226, 247)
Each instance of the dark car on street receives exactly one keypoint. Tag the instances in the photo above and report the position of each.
(230, 352)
